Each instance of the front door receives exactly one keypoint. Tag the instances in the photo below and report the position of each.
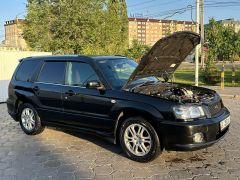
(83, 106)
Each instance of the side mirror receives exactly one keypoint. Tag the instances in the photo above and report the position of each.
(94, 85)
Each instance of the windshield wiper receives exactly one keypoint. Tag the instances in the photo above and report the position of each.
(143, 84)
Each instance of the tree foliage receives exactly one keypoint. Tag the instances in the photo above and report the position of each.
(137, 50)
(223, 42)
(77, 26)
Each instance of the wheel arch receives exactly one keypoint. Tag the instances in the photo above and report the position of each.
(22, 99)
(131, 112)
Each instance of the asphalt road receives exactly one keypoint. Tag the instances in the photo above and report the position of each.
(56, 154)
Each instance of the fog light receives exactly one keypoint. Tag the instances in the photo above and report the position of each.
(198, 137)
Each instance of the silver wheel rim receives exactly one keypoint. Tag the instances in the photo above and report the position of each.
(28, 119)
(137, 139)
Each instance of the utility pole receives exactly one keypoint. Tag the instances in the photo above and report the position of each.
(202, 33)
(197, 47)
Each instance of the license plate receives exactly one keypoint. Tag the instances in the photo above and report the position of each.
(225, 123)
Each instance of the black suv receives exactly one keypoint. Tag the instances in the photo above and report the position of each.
(116, 98)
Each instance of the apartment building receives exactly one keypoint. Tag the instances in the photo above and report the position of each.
(231, 23)
(149, 31)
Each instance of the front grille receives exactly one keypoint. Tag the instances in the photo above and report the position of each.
(214, 108)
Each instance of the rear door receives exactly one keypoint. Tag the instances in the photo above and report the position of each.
(83, 106)
(48, 90)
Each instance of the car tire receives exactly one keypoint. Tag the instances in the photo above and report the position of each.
(29, 120)
(139, 139)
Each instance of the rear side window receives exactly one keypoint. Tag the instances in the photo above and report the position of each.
(52, 72)
(26, 70)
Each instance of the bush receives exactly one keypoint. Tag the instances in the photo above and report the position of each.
(210, 74)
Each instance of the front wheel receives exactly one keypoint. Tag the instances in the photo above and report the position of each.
(139, 139)
(29, 120)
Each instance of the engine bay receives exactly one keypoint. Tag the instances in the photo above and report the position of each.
(175, 92)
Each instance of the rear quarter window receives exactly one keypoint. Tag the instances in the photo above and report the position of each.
(26, 70)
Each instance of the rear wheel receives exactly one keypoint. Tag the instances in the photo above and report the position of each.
(139, 139)
(29, 120)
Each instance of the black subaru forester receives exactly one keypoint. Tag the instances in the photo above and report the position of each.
(116, 98)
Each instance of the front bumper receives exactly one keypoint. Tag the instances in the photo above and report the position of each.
(180, 135)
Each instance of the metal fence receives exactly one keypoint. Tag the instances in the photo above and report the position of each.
(8, 62)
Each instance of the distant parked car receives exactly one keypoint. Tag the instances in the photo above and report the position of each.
(115, 97)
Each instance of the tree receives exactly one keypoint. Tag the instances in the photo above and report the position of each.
(224, 44)
(210, 73)
(137, 50)
(77, 26)
(36, 29)
(223, 41)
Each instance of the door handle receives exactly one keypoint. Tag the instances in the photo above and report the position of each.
(36, 88)
(70, 93)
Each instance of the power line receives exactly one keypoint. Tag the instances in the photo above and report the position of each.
(184, 9)
(169, 12)
(210, 3)
(156, 5)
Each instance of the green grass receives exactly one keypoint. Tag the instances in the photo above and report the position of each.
(187, 77)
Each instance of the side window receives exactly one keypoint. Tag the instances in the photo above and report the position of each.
(26, 70)
(52, 72)
(78, 74)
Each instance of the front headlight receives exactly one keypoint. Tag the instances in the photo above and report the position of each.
(188, 112)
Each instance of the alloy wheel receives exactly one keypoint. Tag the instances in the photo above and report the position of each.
(28, 119)
(137, 139)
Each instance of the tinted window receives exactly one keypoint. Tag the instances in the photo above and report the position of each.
(52, 72)
(78, 74)
(26, 70)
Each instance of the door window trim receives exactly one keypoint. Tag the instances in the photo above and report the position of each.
(64, 85)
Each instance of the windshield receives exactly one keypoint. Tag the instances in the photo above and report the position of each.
(117, 71)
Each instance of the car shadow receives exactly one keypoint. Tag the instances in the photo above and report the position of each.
(95, 139)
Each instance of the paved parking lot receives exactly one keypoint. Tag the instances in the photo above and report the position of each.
(61, 155)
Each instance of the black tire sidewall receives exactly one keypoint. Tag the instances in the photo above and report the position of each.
(38, 127)
(155, 149)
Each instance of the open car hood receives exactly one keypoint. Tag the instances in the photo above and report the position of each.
(165, 56)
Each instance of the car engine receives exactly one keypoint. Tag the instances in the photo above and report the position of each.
(175, 92)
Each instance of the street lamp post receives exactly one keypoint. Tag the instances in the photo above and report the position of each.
(197, 47)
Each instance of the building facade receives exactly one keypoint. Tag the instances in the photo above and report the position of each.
(13, 35)
(149, 31)
(231, 23)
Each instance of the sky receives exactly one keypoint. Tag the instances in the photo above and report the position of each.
(160, 9)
